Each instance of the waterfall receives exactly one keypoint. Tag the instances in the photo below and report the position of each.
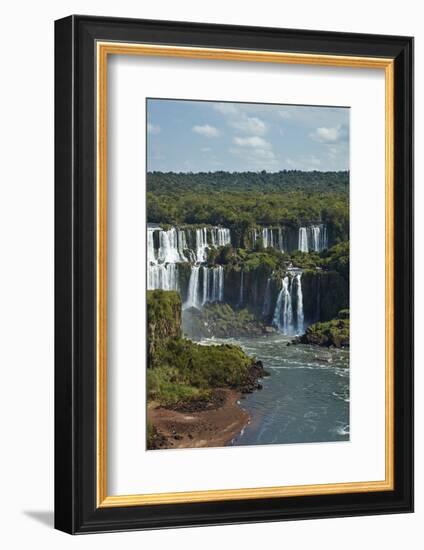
(193, 288)
(308, 238)
(265, 237)
(221, 236)
(212, 286)
(315, 230)
(164, 276)
(167, 248)
(182, 244)
(217, 294)
(206, 279)
(201, 244)
(283, 314)
(313, 237)
(303, 240)
(162, 271)
(300, 316)
(171, 245)
(151, 254)
(241, 295)
(281, 239)
(284, 318)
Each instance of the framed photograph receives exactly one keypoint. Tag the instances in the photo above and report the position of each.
(234, 274)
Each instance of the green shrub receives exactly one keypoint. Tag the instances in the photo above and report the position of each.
(343, 314)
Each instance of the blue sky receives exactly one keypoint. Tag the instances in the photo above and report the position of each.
(205, 136)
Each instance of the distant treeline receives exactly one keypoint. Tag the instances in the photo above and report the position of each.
(285, 180)
(240, 200)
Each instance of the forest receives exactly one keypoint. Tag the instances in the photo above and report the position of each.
(246, 199)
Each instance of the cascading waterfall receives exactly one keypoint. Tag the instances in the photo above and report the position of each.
(210, 238)
(151, 253)
(162, 271)
(266, 237)
(221, 235)
(315, 230)
(193, 288)
(303, 240)
(283, 314)
(309, 238)
(206, 283)
(162, 276)
(209, 286)
(201, 244)
(167, 248)
(272, 237)
(217, 284)
(313, 237)
(284, 318)
(300, 316)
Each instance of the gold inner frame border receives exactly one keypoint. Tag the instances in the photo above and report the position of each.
(103, 50)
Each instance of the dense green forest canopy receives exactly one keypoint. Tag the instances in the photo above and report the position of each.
(244, 199)
(285, 180)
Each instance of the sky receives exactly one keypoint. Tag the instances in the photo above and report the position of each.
(206, 136)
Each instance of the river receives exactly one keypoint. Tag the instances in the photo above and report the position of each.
(306, 397)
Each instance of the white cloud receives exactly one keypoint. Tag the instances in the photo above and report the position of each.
(206, 130)
(252, 141)
(152, 128)
(255, 151)
(206, 149)
(333, 134)
(249, 125)
(237, 116)
(254, 157)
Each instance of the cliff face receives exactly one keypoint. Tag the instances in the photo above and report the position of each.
(325, 293)
(163, 319)
(248, 288)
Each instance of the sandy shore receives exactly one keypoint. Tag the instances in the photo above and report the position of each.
(210, 428)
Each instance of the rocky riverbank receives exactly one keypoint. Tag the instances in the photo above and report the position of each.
(211, 422)
(215, 426)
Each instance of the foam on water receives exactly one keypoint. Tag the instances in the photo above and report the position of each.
(304, 400)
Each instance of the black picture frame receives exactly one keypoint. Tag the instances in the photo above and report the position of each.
(76, 510)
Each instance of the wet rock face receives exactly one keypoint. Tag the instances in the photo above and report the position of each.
(249, 289)
(325, 293)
